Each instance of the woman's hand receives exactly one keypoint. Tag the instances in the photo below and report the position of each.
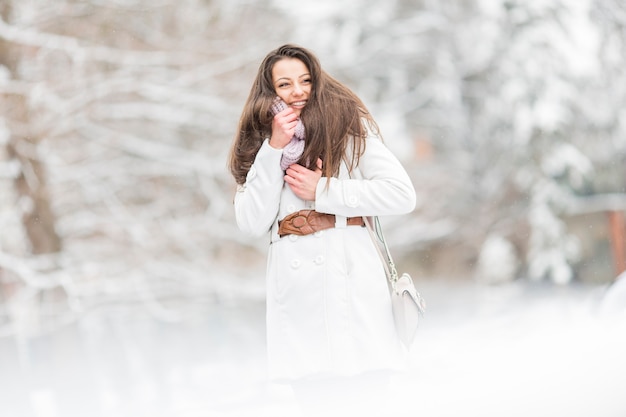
(303, 181)
(283, 128)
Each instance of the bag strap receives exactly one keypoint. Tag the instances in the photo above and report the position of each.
(376, 232)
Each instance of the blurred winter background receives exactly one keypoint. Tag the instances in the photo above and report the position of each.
(127, 290)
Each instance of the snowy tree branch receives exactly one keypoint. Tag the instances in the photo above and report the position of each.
(149, 149)
(596, 203)
(73, 47)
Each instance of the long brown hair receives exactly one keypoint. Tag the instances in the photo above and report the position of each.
(336, 121)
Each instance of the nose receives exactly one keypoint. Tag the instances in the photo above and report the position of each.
(297, 90)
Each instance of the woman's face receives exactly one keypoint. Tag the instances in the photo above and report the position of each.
(292, 83)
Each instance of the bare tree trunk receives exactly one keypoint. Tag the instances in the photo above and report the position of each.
(38, 219)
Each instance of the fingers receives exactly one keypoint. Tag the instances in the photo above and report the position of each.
(303, 189)
(287, 115)
(286, 120)
(303, 181)
(297, 168)
(283, 128)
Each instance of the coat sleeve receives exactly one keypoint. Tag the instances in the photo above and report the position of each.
(380, 187)
(257, 201)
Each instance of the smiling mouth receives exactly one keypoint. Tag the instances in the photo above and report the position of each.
(298, 104)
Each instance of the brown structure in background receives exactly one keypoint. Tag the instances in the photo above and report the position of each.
(617, 226)
(31, 184)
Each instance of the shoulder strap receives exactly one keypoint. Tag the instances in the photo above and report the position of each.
(376, 232)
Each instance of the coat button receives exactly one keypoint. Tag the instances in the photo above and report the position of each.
(291, 208)
(293, 238)
(295, 264)
(353, 201)
(319, 260)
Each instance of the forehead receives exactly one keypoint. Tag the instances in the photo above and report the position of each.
(289, 68)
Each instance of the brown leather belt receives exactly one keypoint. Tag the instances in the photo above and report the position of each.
(305, 222)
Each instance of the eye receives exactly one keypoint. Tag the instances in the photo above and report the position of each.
(306, 81)
(283, 85)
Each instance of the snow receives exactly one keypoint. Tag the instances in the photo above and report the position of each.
(567, 160)
(519, 349)
(135, 146)
(498, 261)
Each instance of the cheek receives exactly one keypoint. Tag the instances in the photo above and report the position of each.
(282, 95)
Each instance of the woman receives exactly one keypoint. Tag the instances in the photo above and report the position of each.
(329, 325)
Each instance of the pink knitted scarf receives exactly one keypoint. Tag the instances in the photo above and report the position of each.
(294, 149)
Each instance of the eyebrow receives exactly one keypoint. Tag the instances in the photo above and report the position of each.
(288, 79)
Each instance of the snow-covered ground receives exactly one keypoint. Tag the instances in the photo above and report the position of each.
(515, 350)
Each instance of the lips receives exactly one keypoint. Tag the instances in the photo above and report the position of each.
(298, 103)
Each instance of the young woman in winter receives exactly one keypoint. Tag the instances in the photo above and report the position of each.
(310, 165)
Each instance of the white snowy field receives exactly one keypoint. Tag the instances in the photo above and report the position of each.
(517, 350)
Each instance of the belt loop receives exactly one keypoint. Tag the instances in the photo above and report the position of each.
(341, 221)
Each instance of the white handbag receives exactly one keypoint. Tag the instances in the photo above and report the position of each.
(406, 302)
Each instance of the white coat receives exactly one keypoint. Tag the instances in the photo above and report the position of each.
(328, 304)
